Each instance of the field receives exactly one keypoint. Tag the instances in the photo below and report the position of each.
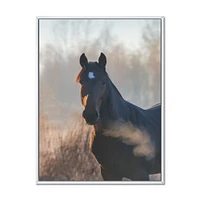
(65, 154)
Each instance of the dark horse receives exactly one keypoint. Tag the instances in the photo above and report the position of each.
(105, 107)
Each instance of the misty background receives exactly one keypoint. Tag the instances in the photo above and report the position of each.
(132, 48)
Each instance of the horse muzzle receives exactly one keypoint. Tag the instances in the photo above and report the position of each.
(91, 118)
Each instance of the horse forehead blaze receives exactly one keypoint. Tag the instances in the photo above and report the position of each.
(91, 75)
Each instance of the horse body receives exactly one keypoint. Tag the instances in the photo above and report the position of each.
(118, 153)
(116, 158)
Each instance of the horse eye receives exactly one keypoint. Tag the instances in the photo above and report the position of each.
(81, 82)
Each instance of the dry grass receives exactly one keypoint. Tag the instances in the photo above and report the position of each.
(64, 152)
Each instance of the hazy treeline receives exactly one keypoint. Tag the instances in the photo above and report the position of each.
(136, 73)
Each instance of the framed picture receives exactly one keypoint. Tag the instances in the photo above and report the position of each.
(100, 100)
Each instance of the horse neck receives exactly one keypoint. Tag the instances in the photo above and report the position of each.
(114, 107)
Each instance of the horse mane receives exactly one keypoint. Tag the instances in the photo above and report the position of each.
(117, 104)
(79, 74)
(115, 88)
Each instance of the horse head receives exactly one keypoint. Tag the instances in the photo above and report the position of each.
(94, 87)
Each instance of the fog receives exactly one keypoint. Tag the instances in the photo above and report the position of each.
(133, 67)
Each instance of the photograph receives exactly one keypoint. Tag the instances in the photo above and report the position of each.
(100, 100)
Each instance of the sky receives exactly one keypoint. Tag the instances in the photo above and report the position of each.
(126, 31)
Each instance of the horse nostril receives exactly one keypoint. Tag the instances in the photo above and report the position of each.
(96, 115)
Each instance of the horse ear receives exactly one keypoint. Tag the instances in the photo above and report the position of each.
(102, 60)
(83, 60)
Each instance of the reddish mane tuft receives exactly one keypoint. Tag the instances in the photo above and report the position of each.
(79, 75)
